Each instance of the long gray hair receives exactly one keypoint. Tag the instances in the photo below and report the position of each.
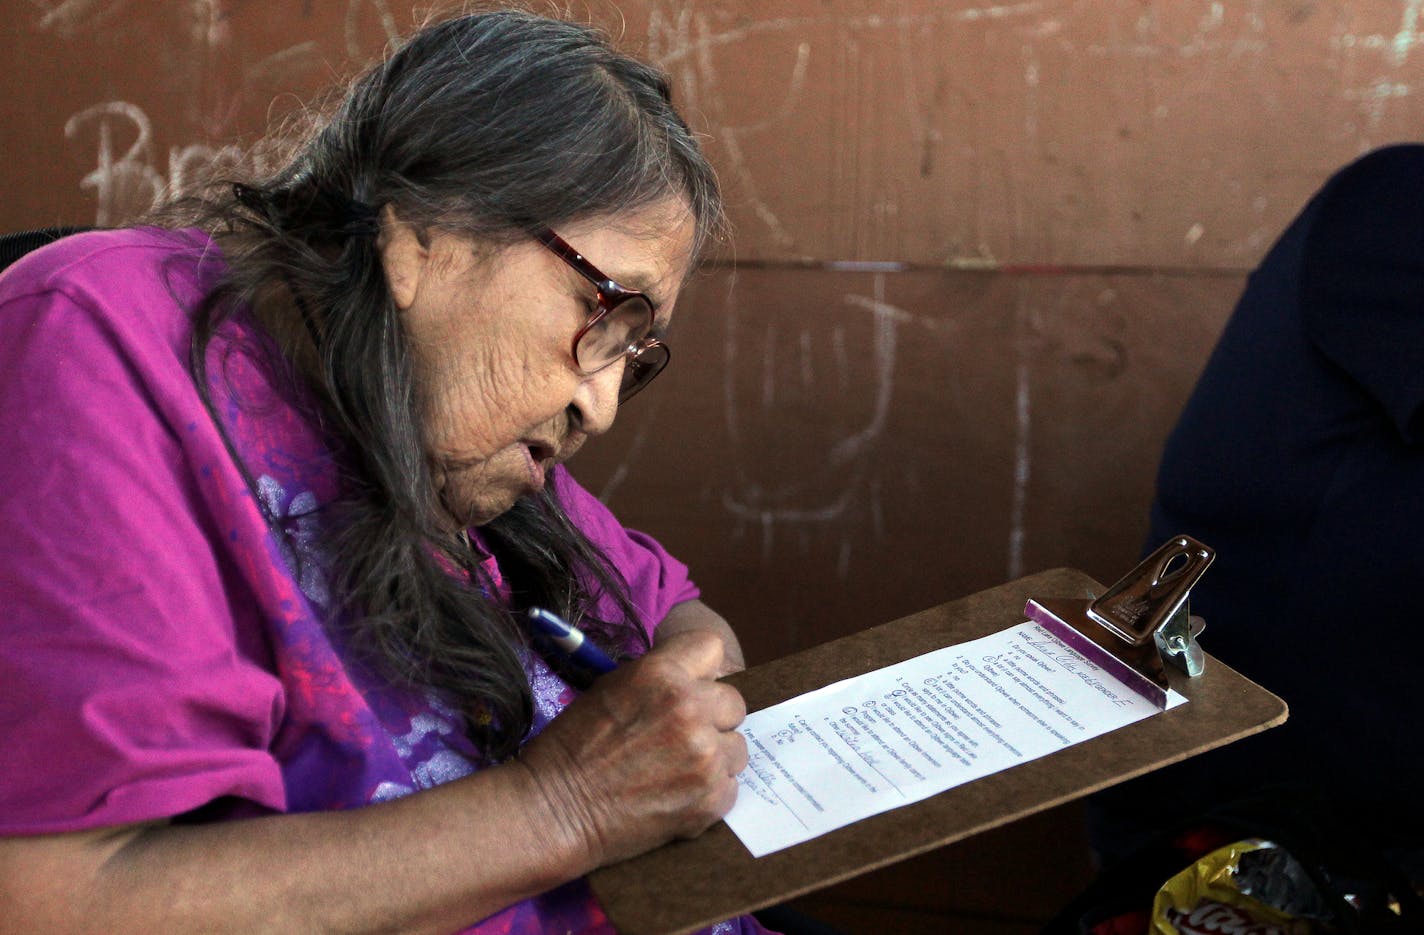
(489, 124)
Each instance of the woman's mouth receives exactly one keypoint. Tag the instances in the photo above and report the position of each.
(541, 458)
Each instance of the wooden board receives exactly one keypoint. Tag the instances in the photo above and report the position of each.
(985, 135)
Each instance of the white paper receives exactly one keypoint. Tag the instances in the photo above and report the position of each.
(878, 741)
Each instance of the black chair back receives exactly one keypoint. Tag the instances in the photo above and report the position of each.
(13, 246)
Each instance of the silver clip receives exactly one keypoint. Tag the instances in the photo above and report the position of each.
(1151, 601)
(1141, 621)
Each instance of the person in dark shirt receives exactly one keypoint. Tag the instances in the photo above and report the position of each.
(1300, 458)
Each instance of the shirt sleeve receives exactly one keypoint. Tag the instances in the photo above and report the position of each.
(1363, 278)
(128, 690)
(656, 580)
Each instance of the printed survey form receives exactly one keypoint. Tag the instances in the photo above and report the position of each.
(897, 735)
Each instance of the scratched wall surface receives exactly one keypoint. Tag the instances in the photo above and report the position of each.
(1071, 132)
(981, 250)
(850, 431)
(839, 448)
(980, 255)
(1086, 132)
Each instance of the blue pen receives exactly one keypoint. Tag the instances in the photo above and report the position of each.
(570, 640)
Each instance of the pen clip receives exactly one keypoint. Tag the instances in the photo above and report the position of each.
(570, 644)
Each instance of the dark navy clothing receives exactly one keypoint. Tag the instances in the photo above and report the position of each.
(1300, 459)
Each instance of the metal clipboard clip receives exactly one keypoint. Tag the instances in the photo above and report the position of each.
(1138, 623)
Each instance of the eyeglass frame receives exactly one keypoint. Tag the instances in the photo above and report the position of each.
(610, 295)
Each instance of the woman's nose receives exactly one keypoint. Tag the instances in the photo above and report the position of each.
(596, 398)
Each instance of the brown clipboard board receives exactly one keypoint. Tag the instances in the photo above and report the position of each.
(688, 885)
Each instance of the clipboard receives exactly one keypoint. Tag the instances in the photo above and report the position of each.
(687, 885)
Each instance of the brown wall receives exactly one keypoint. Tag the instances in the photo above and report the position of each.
(982, 250)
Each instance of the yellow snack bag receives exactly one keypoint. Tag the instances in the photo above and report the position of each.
(1209, 898)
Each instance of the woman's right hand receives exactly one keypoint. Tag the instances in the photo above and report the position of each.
(649, 754)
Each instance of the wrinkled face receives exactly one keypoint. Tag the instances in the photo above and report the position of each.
(492, 329)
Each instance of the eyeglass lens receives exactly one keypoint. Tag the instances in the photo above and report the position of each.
(641, 368)
(609, 338)
(624, 328)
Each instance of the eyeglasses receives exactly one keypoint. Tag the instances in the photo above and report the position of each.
(620, 329)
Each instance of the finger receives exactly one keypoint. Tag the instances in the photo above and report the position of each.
(727, 797)
(738, 755)
(714, 704)
(726, 708)
(718, 802)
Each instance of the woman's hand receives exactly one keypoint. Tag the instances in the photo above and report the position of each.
(649, 754)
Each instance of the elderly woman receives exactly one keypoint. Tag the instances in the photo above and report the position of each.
(284, 474)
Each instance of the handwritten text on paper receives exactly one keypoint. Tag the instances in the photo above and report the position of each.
(865, 745)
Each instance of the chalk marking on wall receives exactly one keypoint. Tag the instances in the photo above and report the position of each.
(1209, 38)
(768, 367)
(687, 47)
(1397, 46)
(688, 37)
(1213, 18)
(669, 42)
(117, 181)
(629, 456)
(1023, 437)
(282, 62)
(743, 508)
(922, 124)
(730, 135)
(189, 165)
(131, 183)
(353, 17)
(729, 361)
(1408, 36)
(841, 358)
(209, 26)
(1232, 48)
(850, 458)
(675, 52)
(69, 17)
(1031, 79)
(877, 509)
(843, 560)
(883, 353)
(1374, 98)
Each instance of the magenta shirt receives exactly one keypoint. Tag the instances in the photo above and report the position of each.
(160, 650)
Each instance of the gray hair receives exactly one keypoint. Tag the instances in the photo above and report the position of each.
(492, 124)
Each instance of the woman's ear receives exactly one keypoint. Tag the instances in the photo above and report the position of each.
(404, 255)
